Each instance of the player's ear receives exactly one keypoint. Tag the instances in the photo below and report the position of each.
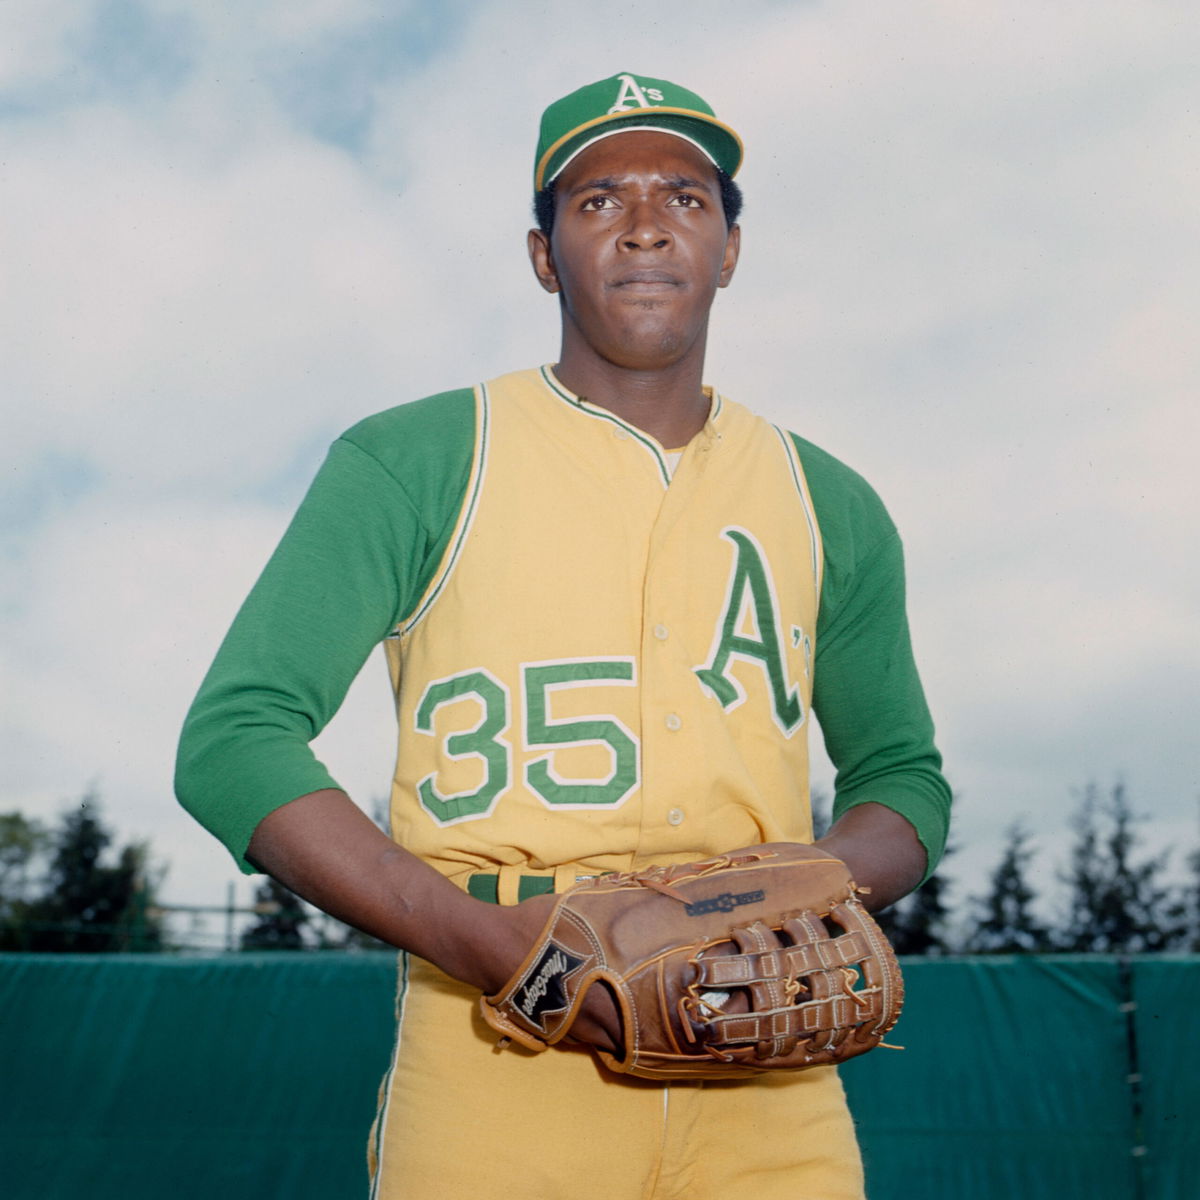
(542, 260)
(733, 247)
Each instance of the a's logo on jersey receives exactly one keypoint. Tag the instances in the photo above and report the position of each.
(750, 630)
(632, 95)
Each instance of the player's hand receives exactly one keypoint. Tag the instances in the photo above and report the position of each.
(514, 929)
(494, 939)
(599, 1021)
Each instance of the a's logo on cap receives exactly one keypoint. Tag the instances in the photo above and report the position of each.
(633, 95)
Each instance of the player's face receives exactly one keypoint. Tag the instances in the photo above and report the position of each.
(638, 250)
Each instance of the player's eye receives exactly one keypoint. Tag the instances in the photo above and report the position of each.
(686, 200)
(598, 203)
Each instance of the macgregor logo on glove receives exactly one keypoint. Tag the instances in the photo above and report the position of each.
(725, 902)
(545, 993)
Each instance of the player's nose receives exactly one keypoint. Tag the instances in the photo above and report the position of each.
(644, 229)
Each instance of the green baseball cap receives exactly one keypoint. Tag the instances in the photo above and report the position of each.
(620, 104)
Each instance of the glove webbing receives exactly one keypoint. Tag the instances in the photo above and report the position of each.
(784, 962)
(833, 1013)
(772, 973)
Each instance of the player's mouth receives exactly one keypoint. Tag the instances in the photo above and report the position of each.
(647, 280)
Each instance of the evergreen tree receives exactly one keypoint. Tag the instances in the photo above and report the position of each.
(1116, 905)
(21, 841)
(22, 844)
(1189, 906)
(283, 919)
(90, 905)
(1006, 924)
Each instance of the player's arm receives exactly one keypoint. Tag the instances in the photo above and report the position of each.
(325, 848)
(323, 602)
(891, 803)
(353, 563)
(882, 850)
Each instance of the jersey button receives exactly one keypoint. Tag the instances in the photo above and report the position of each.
(622, 435)
(673, 722)
(660, 632)
(675, 816)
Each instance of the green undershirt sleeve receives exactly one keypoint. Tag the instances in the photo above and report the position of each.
(867, 694)
(355, 559)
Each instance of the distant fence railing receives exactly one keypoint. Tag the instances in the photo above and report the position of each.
(139, 1076)
(173, 928)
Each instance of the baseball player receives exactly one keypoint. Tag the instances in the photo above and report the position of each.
(610, 598)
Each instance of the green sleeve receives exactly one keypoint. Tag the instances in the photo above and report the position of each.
(867, 694)
(356, 558)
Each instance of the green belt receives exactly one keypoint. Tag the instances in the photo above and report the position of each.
(486, 887)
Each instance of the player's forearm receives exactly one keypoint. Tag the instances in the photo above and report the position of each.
(882, 851)
(327, 850)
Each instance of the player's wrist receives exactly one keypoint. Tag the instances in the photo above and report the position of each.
(481, 944)
(880, 849)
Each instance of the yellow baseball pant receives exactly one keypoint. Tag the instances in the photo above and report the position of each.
(460, 1118)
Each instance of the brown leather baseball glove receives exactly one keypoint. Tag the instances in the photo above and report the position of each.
(752, 961)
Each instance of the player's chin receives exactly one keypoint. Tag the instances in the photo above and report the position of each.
(653, 345)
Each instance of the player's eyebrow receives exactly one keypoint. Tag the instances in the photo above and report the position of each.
(670, 183)
(677, 183)
(608, 183)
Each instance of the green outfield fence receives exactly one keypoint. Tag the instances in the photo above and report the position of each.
(143, 1077)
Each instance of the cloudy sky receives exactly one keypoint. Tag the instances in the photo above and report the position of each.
(970, 264)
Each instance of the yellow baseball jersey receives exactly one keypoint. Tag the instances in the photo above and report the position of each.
(612, 664)
(598, 660)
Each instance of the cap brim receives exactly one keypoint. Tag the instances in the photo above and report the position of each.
(711, 137)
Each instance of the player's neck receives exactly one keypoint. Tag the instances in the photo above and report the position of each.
(668, 403)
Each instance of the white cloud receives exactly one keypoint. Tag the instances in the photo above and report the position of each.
(172, 306)
(966, 271)
(35, 41)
